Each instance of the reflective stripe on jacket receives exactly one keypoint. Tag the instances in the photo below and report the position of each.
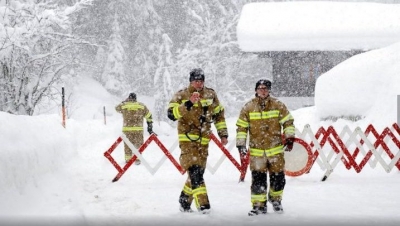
(190, 127)
(133, 113)
(264, 120)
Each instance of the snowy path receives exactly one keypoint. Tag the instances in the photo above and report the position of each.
(67, 181)
(145, 199)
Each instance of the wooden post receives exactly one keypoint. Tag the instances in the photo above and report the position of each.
(63, 106)
(104, 113)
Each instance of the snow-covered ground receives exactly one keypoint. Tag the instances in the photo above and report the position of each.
(50, 175)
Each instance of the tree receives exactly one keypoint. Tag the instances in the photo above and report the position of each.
(145, 35)
(162, 79)
(201, 33)
(36, 50)
(211, 45)
(114, 72)
(141, 30)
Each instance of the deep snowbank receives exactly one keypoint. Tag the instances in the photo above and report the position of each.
(33, 146)
(364, 85)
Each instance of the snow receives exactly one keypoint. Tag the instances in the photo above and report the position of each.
(50, 175)
(302, 26)
(365, 85)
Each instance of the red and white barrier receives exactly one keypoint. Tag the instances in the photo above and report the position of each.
(326, 147)
(329, 147)
(138, 154)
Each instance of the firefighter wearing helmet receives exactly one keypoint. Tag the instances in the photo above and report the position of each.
(263, 119)
(133, 113)
(195, 108)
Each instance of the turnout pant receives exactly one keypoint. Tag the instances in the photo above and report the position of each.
(136, 138)
(193, 159)
(260, 167)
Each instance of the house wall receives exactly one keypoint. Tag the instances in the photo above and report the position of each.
(296, 72)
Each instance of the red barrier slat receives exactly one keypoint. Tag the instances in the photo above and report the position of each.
(107, 154)
(169, 156)
(322, 136)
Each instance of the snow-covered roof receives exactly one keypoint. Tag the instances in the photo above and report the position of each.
(325, 26)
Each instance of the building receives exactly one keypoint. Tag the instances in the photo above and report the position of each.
(306, 39)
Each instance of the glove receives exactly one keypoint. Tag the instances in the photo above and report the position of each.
(289, 144)
(242, 150)
(150, 128)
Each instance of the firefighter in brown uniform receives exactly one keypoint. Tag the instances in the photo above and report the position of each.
(195, 108)
(264, 119)
(133, 113)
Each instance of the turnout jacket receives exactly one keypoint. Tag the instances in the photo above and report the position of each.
(133, 113)
(194, 123)
(265, 120)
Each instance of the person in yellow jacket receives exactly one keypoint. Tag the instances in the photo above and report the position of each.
(196, 108)
(133, 113)
(265, 120)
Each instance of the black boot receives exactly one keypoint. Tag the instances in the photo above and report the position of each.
(184, 203)
(205, 209)
(255, 211)
(276, 206)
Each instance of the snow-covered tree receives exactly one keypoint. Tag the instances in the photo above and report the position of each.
(211, 45)
(36, 50)
(162, 79)
(146, 38)
(99, 62)
(202, 34)
(141, 30)
(114, 72)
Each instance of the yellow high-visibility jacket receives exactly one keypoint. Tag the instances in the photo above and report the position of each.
(133, 113)
(190, 125)
(265, 121)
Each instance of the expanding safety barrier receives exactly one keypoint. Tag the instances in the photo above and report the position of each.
(326, 148)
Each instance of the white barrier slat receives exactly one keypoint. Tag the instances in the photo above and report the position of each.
(138, 155)
(376, 157)
(213, 169)
(327, 158)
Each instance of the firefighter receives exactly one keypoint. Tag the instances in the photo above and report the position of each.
(133, 113)
(264, 118)
(195, 108)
